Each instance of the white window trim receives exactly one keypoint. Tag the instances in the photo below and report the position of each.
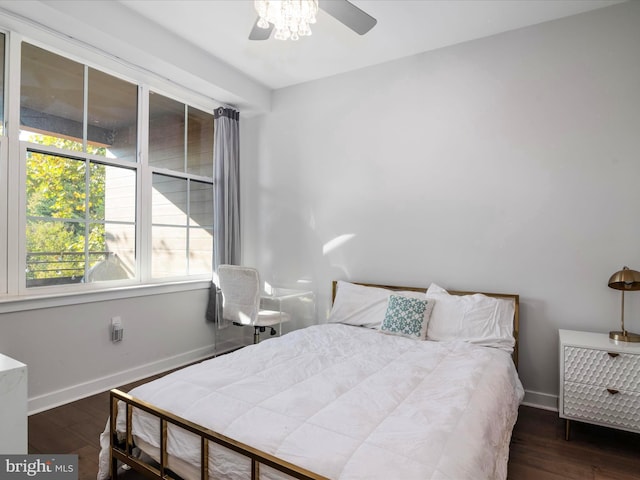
(21, 303)
(143, 209)
(4, 175)
(12, 102)
(4, 232)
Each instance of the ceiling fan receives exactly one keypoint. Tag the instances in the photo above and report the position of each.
(342, 10)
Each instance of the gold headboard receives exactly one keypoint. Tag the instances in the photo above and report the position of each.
(508, 296)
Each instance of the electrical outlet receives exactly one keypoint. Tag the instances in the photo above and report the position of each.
(117, 331)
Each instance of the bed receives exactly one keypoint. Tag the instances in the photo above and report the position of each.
(401, 382)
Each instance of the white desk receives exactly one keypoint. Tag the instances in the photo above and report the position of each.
(13, 406)
(299, 304)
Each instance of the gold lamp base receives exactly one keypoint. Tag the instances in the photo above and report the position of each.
(624, 336)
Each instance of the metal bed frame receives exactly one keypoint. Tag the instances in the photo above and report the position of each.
(122, 449)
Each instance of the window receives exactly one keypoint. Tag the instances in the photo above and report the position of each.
(80, 220)
(79, 127)
(181, 157)
(96, 208)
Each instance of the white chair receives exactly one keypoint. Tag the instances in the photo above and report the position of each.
(241, 291)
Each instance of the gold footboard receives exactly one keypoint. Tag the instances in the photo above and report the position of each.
(123, 450)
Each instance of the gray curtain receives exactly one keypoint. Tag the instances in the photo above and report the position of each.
(226, 202)
(226, 154)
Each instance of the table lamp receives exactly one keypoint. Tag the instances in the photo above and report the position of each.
(624, 280)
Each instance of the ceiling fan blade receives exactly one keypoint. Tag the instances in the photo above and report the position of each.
(346, 12)
(258, 33)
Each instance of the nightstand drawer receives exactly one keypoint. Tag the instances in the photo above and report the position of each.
(596, 404)
(603, 368)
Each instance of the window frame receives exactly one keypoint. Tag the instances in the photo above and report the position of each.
(185, 175)
(4, 216)
(4, 174)
(188, 177)
(14, 294)
(22, 252)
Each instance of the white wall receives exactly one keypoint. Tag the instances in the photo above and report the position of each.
(69, 353)
(507, 164)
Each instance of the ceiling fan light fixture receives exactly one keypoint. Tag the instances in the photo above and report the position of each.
(291, 18)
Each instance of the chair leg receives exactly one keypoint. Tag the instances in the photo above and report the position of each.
(257, 330)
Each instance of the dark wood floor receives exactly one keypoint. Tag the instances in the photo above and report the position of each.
(540, 452)
(538, 449)
(74, 428)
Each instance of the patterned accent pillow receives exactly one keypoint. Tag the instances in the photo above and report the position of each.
(407, 317)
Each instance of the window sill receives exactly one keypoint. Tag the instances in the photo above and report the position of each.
(10, 304)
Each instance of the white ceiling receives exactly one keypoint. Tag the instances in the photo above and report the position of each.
(405, 27)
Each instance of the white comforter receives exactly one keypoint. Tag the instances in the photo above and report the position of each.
(347, 403)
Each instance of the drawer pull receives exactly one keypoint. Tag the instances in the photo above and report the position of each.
(613, 354)
(612, 391)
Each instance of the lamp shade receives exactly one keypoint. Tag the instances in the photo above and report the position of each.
(625, 279)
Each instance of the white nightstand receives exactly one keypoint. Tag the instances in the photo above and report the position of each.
(599, 381)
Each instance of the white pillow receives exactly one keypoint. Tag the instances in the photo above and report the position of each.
(473, 318)
(363, 306)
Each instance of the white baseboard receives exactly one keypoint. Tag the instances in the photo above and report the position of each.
(229, 346)
(540, 400)
(99, 385)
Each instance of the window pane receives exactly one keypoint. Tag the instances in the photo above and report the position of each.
(112, 117)
(200, 143)
(166, 133)
(169, 251)
(169, 197)
(55, 186)
(111, 252)
(121, 241)
(172, 237)
(51, 99)
(200, 250)
(201, 204)
(55, 252)
(112, 193)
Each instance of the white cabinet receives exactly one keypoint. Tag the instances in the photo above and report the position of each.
(599, 381)
(13, 406)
